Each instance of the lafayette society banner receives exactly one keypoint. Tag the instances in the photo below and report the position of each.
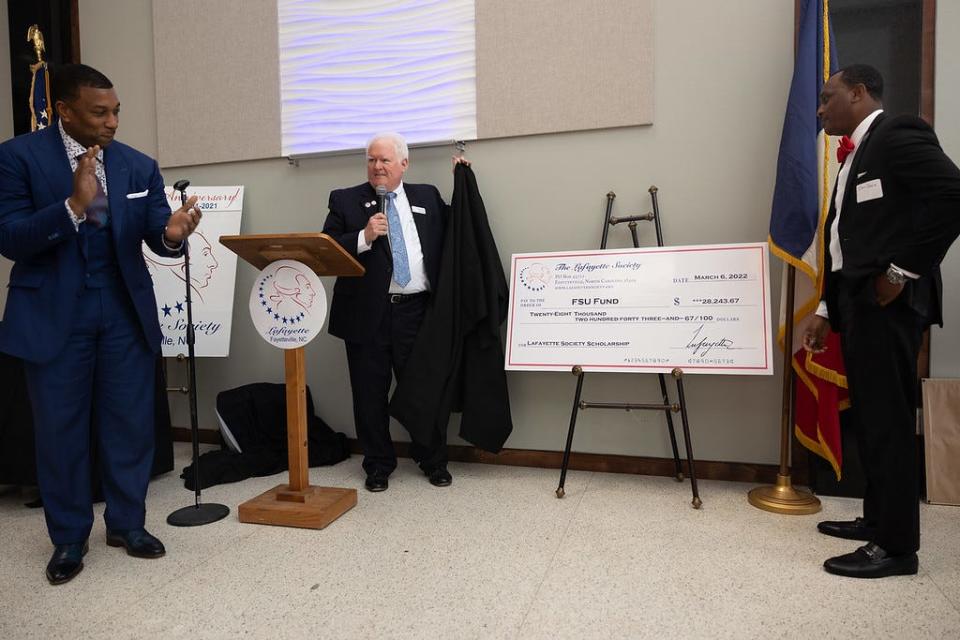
(213, 270)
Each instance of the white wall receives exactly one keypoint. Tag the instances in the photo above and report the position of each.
(945, 343)
(712, 151)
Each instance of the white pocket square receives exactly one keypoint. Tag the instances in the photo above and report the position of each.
(139, 194)
(417, 209)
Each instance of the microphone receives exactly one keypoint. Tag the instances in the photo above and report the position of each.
(181, 186)
(381, 196)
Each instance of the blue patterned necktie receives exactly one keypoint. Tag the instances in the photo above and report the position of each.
(401, 265)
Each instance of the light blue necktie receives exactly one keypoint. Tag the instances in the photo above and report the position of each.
(401, 265)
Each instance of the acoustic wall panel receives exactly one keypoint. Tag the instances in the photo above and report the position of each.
(218, 94)
(264, 78)
(351, 69)
(563, 65)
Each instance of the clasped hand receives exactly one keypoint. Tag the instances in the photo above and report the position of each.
(84, 181)
(182, 222)
(376, 227)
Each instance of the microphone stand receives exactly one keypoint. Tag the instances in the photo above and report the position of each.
(196, 514)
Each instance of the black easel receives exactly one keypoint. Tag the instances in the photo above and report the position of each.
(666, 406)
(197, 513)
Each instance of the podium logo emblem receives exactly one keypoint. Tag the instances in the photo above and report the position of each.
(288, 304)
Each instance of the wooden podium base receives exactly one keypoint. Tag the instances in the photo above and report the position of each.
(312, 508)
(297, 504)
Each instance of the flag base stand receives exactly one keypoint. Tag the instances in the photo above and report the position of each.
(784, 498)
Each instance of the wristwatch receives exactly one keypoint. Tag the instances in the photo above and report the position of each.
(895, 276)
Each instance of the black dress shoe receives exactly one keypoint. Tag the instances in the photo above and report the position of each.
(138, 542)
(66, 562)
(870, 561)
(848, 529)
(440, 477)
(376, 482)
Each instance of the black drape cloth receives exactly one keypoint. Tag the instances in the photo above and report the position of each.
(256, 415)
(18, 461)
(457, 359)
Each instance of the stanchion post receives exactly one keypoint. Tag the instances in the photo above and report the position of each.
(783, 497)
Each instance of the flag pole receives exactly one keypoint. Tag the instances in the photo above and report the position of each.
(783, 497)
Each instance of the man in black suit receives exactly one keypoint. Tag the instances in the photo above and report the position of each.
(378, 315)
(894, 213)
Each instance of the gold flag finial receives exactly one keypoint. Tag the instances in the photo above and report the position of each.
(35, 36)
(41, 114)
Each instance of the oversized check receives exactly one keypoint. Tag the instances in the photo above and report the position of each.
(703, 309)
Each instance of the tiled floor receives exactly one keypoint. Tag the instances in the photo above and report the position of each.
(496, 555)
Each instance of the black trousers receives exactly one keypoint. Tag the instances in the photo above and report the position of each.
(880, 348)
(372, 367)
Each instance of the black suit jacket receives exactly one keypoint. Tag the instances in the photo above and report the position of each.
(359, 302)
(912, 225)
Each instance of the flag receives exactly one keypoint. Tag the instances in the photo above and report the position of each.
(40, 108)
(806, 168)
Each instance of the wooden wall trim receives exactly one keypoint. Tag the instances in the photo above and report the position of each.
(606, 463)
(75, 31)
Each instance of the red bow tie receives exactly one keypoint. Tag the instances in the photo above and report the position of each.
(846, 148)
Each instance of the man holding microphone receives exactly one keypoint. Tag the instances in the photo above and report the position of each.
(378, 315)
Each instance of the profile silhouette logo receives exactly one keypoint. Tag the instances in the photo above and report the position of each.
(166, 271)
(288, 304)
(536, 277)
(286, 295)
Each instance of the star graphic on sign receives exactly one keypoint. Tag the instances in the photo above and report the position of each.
(276, 316)
(166, 310)
(179, 306)
(269, 310)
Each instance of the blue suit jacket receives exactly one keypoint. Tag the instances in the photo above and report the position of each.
(38, 235)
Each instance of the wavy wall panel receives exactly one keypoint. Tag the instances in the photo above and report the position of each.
(351, 69)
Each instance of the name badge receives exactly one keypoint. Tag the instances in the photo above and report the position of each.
(869, 190)
(417, 209)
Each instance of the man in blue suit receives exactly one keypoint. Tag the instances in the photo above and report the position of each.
(75, 208)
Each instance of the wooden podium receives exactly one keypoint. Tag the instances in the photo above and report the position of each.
(297, 504)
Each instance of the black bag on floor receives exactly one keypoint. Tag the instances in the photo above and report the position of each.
(253, 423)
